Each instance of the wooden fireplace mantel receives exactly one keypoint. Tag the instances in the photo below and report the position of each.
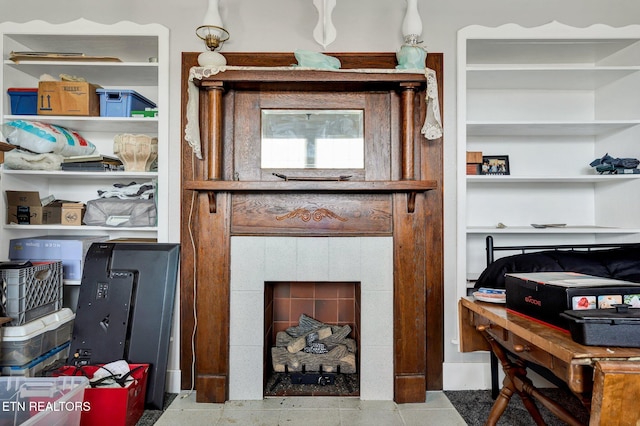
(398, 194)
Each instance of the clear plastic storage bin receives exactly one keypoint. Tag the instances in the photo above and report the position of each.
(21, 344)
(42, 401)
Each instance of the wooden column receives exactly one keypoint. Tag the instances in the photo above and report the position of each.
(211, 129)
(408, 131)
(212, 299)
(409, 301)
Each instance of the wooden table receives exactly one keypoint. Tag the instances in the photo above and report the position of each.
(605, 379)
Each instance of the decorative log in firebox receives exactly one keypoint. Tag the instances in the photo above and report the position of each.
(314, 346)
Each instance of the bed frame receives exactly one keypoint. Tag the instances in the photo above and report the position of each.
(491, 249)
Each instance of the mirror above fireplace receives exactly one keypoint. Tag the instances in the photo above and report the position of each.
(312, 139)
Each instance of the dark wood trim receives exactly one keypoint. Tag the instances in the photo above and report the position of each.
(432, 164)
(311, 186)
(207, 195)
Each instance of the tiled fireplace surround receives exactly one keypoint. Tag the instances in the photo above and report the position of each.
(257, 260)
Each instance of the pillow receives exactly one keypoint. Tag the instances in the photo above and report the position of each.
(43, 138)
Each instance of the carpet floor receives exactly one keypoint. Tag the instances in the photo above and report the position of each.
(474, 407)
(150, 417)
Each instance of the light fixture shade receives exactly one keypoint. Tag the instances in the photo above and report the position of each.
(412, 24)
(213, 34)
(212, 16)
(411, 55)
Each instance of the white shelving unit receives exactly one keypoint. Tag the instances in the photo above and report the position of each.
(553, 98)
(143, 51)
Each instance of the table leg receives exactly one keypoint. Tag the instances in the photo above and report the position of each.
(516, 380)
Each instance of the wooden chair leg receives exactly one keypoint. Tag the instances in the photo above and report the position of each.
(502, 400)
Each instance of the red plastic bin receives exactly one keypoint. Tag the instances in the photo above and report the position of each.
(112, 406)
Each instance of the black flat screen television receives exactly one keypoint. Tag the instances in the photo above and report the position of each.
(125, 308)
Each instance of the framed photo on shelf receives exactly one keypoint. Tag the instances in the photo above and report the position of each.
(495, 165)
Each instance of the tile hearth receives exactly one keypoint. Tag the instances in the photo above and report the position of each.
(320, 411)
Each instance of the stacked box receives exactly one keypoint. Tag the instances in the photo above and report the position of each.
(26, 208)
(474, 162)
(23, 343)
(544, 296)
(70, 249)
(68, 98)
(31, 292)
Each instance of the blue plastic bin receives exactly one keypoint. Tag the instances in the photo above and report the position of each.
(120, 103)
(24, 101)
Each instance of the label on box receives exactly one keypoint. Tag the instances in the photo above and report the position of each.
(23, 215)
(584, 302)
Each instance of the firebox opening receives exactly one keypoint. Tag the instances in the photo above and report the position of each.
(334, 304)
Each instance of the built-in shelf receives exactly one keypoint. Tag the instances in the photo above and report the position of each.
(122, 56)
(488, 230)
(499, 179)
(57, 174)
(95, 124)
(552, 98)
(544, 77)
(107, 73)
(547, 128)
(80, 228)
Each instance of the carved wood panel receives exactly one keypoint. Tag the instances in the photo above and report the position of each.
(311, 214)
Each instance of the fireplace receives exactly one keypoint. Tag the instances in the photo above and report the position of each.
(245, 225)
(368, 261)
(311, 338)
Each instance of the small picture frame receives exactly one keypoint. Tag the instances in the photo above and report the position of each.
(495, 165)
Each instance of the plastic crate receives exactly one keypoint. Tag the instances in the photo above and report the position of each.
(24, 101)
(120, 103)
(32, 292)
(42, 401)
(22, 344)
(36, 366)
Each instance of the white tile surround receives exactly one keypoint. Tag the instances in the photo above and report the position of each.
(255, 260)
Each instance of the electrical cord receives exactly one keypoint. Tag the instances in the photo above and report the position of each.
(195, 280)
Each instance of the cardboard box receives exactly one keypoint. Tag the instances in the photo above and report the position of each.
(26, 208)
(68, 98)
(543, 296)
(70, 249)
(473, 169)
(474, 157)
(112, 406)
(72, 214)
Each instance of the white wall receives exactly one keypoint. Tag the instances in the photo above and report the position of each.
(362, 25)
